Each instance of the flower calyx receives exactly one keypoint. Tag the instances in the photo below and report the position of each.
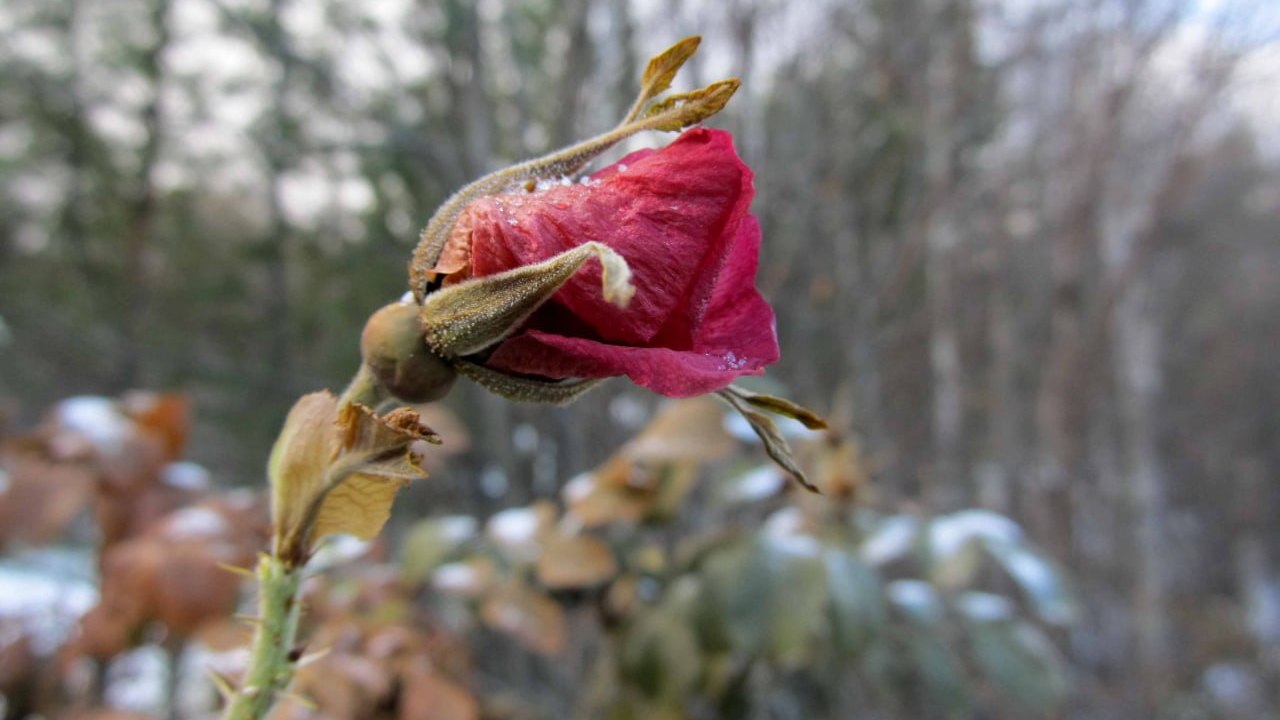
(414, 353)
(395, 352)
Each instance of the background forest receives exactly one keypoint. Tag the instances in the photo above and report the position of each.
(1023, 252)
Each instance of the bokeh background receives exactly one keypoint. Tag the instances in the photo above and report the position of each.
(1027, 250)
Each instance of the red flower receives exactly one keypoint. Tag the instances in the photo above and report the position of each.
(680, 216)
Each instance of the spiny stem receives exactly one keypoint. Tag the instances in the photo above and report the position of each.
(271, 664)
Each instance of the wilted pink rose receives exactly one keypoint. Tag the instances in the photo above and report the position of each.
(681, 218)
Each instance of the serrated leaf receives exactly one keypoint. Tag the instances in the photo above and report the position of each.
(359, 506)
(300, 459)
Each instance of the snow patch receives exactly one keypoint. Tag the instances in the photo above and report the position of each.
(948, 534)
(890, 540)
(186, 475)
(195, 523)
(916, 597)
(97, 419)
(984, 607)
(758, 484)
(43, 594)
(517, 526)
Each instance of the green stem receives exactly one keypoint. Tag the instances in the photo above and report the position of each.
(271, 663)
(364, 389)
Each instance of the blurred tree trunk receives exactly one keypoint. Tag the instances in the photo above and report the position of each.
(622, 46)
(470, 110)
(73, 220)
(943, 75)
(280, 145)
(1136, 201)
(574, 72)
(140, 225)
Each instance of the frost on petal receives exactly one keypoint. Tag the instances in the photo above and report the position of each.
(680, 219)
(667, 215)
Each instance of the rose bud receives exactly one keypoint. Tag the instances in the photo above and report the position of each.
(674, 224)
(394, 350)
(538, 282)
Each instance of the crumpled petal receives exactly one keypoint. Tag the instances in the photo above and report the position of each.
(680, 216)
(736, 337)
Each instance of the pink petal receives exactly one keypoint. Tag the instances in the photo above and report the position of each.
(666, 212)
(680, 216)
(736, 337)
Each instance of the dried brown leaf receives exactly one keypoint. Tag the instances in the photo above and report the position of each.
(527, 615)
(575, 561)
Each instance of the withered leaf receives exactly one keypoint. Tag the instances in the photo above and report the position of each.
(300, 459)
(617, 491)
(336, 469)
(379, 453)
(684, 430)
(575, 561)
(427, 695)
(529, 616)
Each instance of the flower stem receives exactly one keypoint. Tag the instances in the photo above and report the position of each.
(271, 662)
(364, 388)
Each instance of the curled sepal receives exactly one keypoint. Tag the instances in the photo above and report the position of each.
(523, 389)
(779, 406)
(472, 315)
(336, 468)
(672, 113)
(774, 443)
(660, 71)
(681, 110)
